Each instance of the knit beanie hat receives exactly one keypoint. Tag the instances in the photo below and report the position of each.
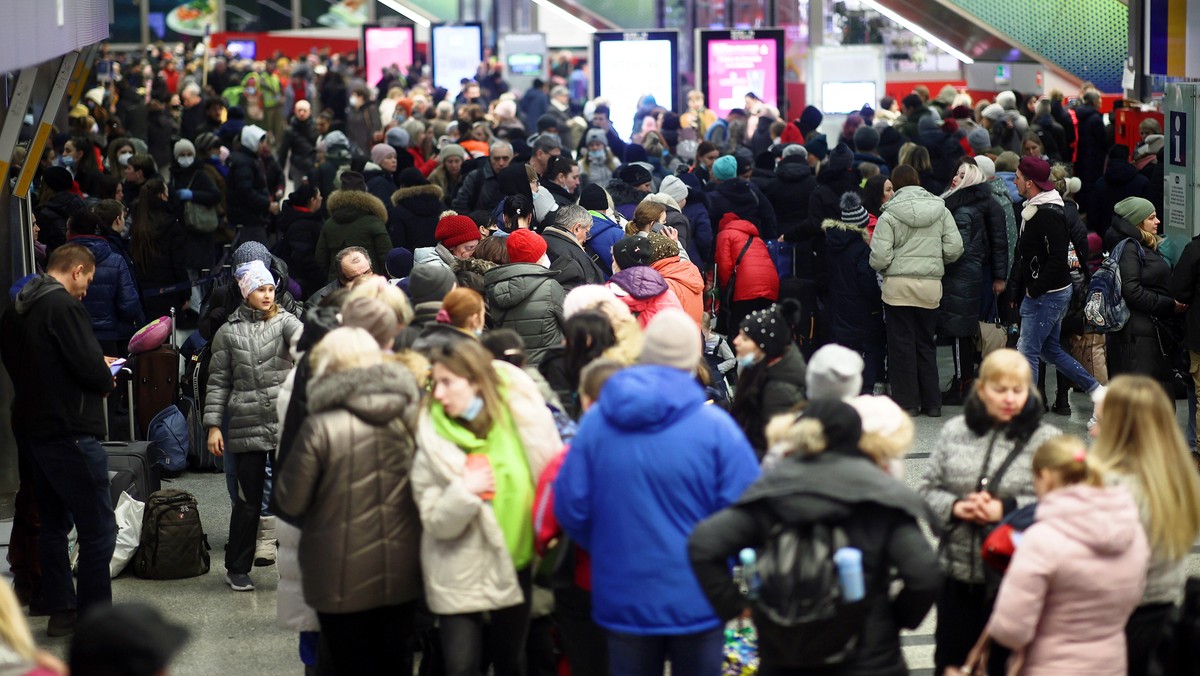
(674, 187)
(866, 139)
(634, 174)
(58, 178)
(993, 111)
(632, 251)
(818, 148)
(595, 136)
(769, 331)
(399, 263)
(927, 123)
(661, 247)
(986, 165)
(525, 246)
(1006, 100)
(792, 149)
(634, 152)
(841, 158)
(452, 150)
(810, 119)
(251, 276)
(183, 145)
(251, 251)
(672, 339)
(593, 197)
(454, 230)
(353, 181)
(1119, 151)
(725, 168)
(834, 372)
(429, 283)
(409, 177)
(979, 140)
(373, 315)
(1134, 209)
(380, 152)
(853, 212)
(397, 136)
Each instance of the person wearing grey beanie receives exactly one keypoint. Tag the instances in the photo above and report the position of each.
(834, 372)
(866, 149)
(980, 141)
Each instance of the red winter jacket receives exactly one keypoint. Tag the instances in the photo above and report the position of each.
(756, 275)
(545, 524)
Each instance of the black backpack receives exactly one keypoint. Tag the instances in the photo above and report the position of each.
(173, 544)
(799, 589)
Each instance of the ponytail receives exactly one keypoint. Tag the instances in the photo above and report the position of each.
(1067, 456)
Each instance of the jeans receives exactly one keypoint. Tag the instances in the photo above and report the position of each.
(912, 357)
(371, 641)
(1041, 324)
(71, 479)
(499, 635)
(699, 654)
(243, 521)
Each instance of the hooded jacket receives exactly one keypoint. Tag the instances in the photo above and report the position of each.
(1146, 287)
(646, 469)
(251, 357)
(448, 184)
(756, 274)
(624, 197)
(605, 233)
(855, 305)
(528, 299)
(414, 218)
(1120, 180)
(915, 238)
(112, 298)
(480, 191)
(573, 263)
(745, 199)
(349, 479)
(880, 516)
(300, 142)
(980, 223)
(826, 202)
(789, 192)
(685, 282)
(356, 218)
(249, 202)
(55, 363)
(1073, 582)
(52, 218)
(644, 292)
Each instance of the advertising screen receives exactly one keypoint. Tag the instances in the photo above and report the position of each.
(846, 97)
(383, 47)
(737, 67)
(457, 51)
(628, 70)
(525, 64)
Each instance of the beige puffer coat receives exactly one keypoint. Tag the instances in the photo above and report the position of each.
(467, 567)
(348, 478)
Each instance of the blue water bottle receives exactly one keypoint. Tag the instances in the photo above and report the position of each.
(850, 573)
(749, 560)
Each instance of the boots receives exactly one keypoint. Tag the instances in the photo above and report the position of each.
(957, 394)
(1062, 401)
(264, 549)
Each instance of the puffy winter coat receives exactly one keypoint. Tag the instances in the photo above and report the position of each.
(573, 263)
(300, 144)
(466, 565)
(348, 479)
(644, 292)
(915, 236)
(166, 266)
(480, 190)
(249, 202)
(855, 304)
(355, 219)
(685, 282)
(299, 230)
(199, 247)
(251, 357)
(1073, 582)
(112, 299)
(379, 183)
(756, 274)
(448, 184)
(605, 233)
(415, 216)
(702, 228)
(960, 457)
(646, 468)
(965, 291)
(527, 298)
(1120, 180)
(826, 200)
(790, 192)
(52, 218)
(1146, 287)
(745, 199)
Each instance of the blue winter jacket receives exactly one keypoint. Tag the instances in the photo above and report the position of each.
(112, 298)
(601, 239)
(643, 470)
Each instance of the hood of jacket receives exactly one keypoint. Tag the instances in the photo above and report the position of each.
(742, 226)
(839, 235)
(640, 282)
(419, 199)
(635, 401)
(742, 199)
(1120, 229)
(789, 368)
(602, 224)
(681, 272)
(34, 290)
(840, 181)
(513, 284)
(99, 246)
(793, 169)
(915, 207)
(1104, 519)
(623, 193)
(1119, 173)
(979, 193)
(376, 394)
(347, 206)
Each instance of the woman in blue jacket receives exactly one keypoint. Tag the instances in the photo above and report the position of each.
(112, 299)
(606, 231)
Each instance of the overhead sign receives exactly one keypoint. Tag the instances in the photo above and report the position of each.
(1177, 129)
(384, 47)
(629, 66)
(457, 52)
(733, 64)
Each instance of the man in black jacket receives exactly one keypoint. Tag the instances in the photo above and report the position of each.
(250, 203)
(300, 142)
(59, 377)
(564, 246)
(481, 189)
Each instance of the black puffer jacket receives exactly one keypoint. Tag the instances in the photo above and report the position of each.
(789, 193)
(249, 201)
(299, 230)
(1146, 344)
(965, 292)
(1121, 179)
(167, 266)
(826, 200)
(880, 516)
(414, 216)
(52, 218)
(200, 250)
(855, 299)
(743, 198)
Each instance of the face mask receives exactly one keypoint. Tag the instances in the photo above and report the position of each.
(67, 161)
(355, 101)
(478, 333)
(123, 158)
(400, 116)
(186, 161)
(596, 155)
(747, 361)
(250, 91)
(473, 409)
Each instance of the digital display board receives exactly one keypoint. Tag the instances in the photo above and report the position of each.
(383, 46)
(630, 65)
(847, 97)
(457, 51)
(735, 63)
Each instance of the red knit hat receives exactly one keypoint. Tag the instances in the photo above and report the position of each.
(454, 230)
(525, 246)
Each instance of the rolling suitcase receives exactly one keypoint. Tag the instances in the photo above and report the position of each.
(121, 481)
(155, 381)
(137, 458)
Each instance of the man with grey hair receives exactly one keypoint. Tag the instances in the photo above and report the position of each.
(352, 262)
(481, 188)
(192, 117)
(564, 247)
(544, 147)
(299, 143)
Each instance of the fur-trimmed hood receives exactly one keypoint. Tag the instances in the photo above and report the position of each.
(416, 191)
(349, 205)
(375, 394)
(1021, 427)
(839, 234)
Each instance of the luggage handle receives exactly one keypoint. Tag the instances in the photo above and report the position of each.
(128, 373)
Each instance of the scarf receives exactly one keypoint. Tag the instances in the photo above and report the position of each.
(1032, 204)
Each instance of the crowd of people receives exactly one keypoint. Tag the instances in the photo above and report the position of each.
(536, 374)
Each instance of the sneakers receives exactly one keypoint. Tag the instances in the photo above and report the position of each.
(62, 623)
(236, 581)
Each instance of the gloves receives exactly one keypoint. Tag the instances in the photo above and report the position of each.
(184, 195)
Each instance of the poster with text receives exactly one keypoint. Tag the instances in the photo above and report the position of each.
(630, 70)
(457, 52)
(384, 47)
(739, 67)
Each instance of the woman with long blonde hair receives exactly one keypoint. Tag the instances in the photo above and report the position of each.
(1139, 444)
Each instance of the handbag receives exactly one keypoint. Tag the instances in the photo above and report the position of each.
(977, 660)
(197, 217)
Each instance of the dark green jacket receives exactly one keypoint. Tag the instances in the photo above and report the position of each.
(526, 298)
(356, 218)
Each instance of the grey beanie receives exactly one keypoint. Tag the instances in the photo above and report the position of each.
(252, 251)
(980, 140)
(834, 372)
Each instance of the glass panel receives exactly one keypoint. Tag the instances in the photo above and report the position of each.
(258, 15)
(126, 23)
(751, 13)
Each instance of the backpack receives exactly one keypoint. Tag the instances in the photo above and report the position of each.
(1105, 310)
(173, 544)
(169, 433)
(800, 590)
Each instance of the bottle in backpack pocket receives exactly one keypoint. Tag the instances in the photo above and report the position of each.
(850, 573)
(749, 560)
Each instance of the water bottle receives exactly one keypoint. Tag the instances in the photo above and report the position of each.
(749, 560)
(850, 573)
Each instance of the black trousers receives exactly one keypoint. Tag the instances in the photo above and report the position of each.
(371, 641)
(1145, 635)
(499, 635)
(962, 613)
(584, 642)
(912, 357)
(965, 354)
(243, 520)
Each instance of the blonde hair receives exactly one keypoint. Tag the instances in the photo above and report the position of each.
(790, 434)
(1140, 437)
(378, 287)
(1005, 363)
(344, 349)
(972, 175)
(14, 629)
(1066, 455)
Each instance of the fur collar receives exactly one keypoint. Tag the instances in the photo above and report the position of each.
(834, 224)
(416, 191)
(375, 394)
(969, 195)
(356, 201)
(1021, 428)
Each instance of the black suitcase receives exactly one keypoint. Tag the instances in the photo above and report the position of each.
(121, 481)
(139, 458)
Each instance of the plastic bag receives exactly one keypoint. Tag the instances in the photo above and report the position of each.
(129, 532)
(741, 649)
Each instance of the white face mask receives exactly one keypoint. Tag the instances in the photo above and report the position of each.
(123, 158)
(186, 161)
(355, 101)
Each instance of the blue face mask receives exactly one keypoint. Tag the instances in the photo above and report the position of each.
(473, 409)
(747, 361)
(597, 155)
(67, 160)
